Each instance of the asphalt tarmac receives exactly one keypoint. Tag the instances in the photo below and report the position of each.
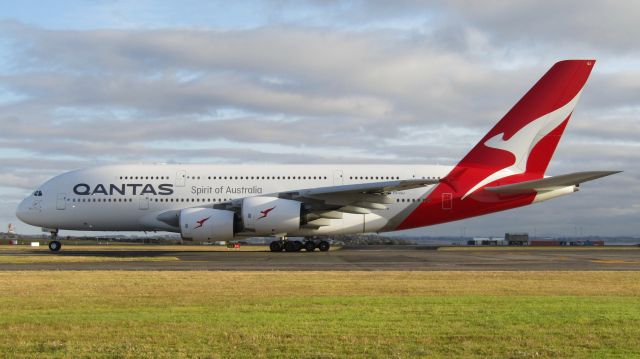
(369, 259)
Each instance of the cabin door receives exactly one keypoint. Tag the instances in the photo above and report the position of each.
(61, 201)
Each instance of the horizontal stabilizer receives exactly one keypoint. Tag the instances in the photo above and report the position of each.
(551, 183)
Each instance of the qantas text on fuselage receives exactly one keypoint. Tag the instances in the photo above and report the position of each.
(83, 189)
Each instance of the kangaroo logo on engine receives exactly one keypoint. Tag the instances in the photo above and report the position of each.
(201, 222)
(265, 213)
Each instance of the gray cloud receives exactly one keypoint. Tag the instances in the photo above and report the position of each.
(576, 24)
(517, 26)
(293, 93)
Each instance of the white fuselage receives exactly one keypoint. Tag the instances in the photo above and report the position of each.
(130, 197)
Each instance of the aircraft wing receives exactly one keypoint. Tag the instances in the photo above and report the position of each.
(330, 202)
(358, 198)
(550, 183)
(325, 203)
(374, 188)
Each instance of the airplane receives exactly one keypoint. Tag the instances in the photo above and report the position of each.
(505, 170)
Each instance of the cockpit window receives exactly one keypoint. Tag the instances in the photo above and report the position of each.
(37, 193)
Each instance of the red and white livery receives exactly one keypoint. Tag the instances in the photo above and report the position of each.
(505, 170)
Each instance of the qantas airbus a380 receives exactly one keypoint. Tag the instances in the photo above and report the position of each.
(505, 170)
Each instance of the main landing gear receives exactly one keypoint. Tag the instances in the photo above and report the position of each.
(54, 244)
(309, 245)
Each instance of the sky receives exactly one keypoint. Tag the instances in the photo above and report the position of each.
(85, 83)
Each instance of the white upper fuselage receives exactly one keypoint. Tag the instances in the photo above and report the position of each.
(130, 197)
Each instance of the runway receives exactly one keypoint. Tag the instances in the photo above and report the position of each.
(370, 259)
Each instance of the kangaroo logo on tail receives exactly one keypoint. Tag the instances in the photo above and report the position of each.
(523, 141)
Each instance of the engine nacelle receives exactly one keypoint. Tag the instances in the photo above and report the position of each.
(271, 215)
(206, 224)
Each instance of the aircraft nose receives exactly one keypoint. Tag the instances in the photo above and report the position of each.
(22, 212)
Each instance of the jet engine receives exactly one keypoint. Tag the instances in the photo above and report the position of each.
(271, 215)
(207, 224)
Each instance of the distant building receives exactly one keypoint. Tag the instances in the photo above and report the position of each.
(487, 241)
(546, 243)
(510, 239)
(517, 239)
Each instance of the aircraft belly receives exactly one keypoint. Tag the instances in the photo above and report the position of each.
(83, 217)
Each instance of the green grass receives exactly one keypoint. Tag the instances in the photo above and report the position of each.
(320, 314)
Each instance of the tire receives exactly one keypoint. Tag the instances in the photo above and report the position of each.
(275, 246)
(309, 246)
(55, 246)
(298, 245)
(290, 247)
(324, 246)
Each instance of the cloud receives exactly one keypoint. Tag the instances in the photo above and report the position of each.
(597, 24)
(321, 82)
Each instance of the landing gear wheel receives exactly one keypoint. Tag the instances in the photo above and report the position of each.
(55, 246)
(275, 246)
(290, 247)
(324, 246)
(298, 245)
(309, 246)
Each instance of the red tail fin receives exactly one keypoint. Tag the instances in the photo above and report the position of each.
(524, 140)
(518, 148)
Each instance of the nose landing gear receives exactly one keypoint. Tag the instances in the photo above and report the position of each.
(54, 244)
